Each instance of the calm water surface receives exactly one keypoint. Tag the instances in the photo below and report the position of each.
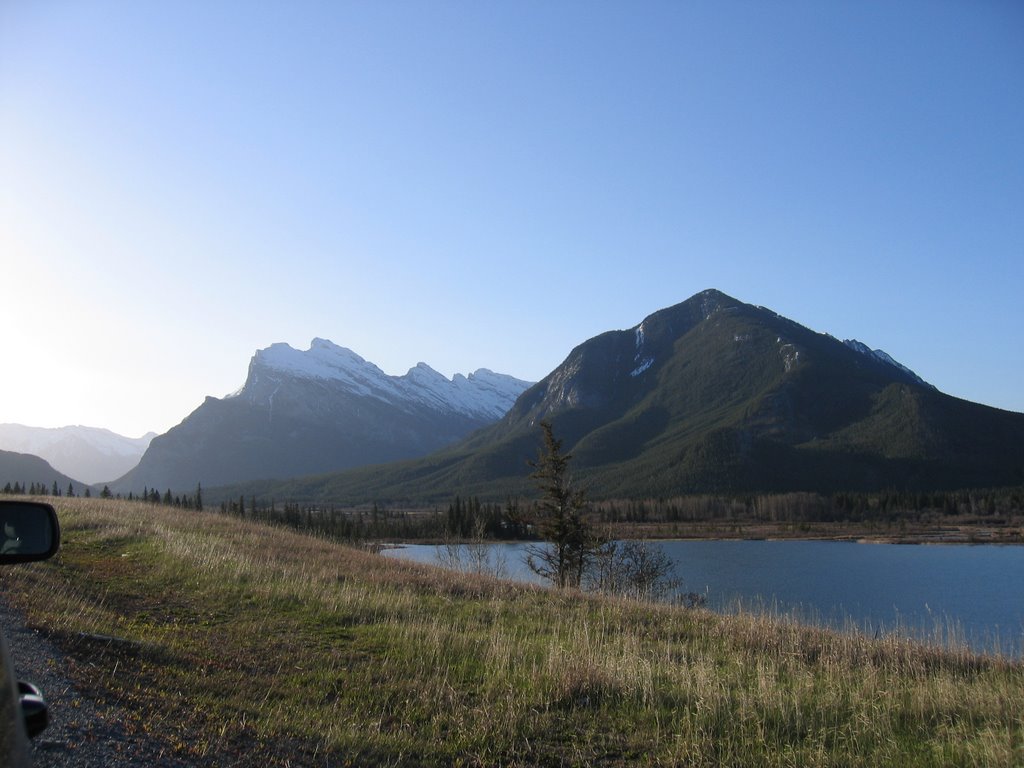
(977, 592)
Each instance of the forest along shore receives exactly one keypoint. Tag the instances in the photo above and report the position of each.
(944, 532)
(983, 517)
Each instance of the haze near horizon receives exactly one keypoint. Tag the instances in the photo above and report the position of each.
(490, 185)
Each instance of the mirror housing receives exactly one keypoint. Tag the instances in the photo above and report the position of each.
(29, 531)
(33, 709)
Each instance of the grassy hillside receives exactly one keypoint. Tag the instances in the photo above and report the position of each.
(240, 644)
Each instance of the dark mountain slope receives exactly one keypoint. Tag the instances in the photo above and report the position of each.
(717, 395)
(26, 469)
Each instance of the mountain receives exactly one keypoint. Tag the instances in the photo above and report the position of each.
(323, 409)
(25, 470)
(91, 454)
(715, 395)
(884, 357)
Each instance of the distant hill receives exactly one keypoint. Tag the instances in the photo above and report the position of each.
(323, 409)
(714, 395)
(91, 454)
(25, 470)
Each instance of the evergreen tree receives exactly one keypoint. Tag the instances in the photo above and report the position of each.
(570, 542)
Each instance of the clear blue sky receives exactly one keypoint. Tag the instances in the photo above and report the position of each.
(488, 184)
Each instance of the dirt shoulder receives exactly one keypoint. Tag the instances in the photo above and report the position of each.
(82, 733)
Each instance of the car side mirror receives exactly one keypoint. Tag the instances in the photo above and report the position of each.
(29, 531)
(33, 709)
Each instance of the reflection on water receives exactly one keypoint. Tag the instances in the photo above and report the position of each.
(960, 593)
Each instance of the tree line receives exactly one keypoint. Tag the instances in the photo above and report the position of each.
(42, 489)
(153, 496)
(801, 507)
(470, 517)
(465, 518)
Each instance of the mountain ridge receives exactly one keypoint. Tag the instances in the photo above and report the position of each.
(91, 454)
(27, 469)
(325, 408)
(712, 395)
(483, 393)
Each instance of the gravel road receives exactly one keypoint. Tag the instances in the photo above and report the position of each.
(81, 733)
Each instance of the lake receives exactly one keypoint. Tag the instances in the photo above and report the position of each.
(975, 592)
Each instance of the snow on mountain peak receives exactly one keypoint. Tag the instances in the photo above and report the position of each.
(323, 360)
(423, 372)
(482, 394)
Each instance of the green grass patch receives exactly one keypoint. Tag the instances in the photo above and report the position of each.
(240, 644)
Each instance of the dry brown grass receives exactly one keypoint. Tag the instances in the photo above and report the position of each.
(279, 648)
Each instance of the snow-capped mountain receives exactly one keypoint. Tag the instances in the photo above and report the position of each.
(90, 454)
(319, 410)
(714, 395)
(482, 394)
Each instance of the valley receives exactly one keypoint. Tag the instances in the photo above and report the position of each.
(710, 396)
(512, 385)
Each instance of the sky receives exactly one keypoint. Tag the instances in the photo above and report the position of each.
(489, 184)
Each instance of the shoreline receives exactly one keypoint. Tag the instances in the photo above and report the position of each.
(969, 534)
(935, 531)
